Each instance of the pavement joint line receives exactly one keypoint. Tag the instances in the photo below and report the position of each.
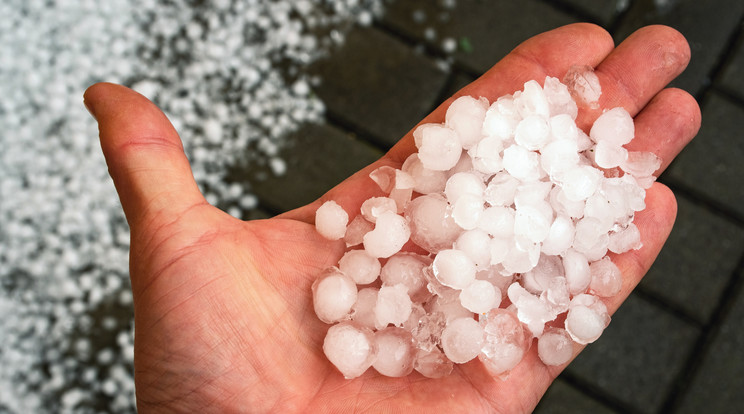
(678, 187)
(729, 94)
(597, 394)
(444, 91)
(704, 344)
(667, 306)
(358, 132)
(727, 53)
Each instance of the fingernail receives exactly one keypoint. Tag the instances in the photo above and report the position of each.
(89, 107)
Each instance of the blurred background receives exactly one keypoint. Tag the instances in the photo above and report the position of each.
(276, 102)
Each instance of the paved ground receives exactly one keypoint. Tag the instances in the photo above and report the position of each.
(677, 345)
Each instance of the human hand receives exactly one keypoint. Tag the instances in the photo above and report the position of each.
(224, 320)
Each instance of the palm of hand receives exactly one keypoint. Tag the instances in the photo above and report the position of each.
(223, 311)
(230, 324)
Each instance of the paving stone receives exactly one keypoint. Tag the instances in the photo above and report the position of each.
(638, 356)
(712, 163)
(484, 31)
(318, 157)
(378, 84)
(733, 73)
(697, 260)
(604, 11)
(718, 385)
(562, 398)
(707, 25)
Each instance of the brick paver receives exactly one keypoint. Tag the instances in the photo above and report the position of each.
(697, 260)
(378, 85)
(712, 163)
(638, 356)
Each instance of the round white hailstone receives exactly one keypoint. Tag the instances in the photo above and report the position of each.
(463, 183)
(634, 194)
(465, 115)
(505, 341)
(375, 206)
(598, 207)
(539, 278)
(363, 311)
(480, 297)
(590, 236)
(464, 165)
(557, 296)
(501, 190)
(584, 324)
(565, 207)
(533, 193)
(521, 259)
(360, 266)
(560, 237)
(500, 248)
(487, 155)
(555, 347)
(531, 311)
(626, 239)
(439, 147)
(559, 156)
(580, 182)
(563, 127)
(497, 221)
(334, 294)
(583, 141)
(532, 132)
(350, 348)
(356, 230)
(450, 307)
(393, 306)
(531, 223)
(641, 164)
(608, 155)
(426, 181)
(583, 84)
(532, 100)
(521, 163)
(613, 127)
(466, 211)
(407, 269)
(432, 226)
(462, 340)
(331, 220)
(498, 124)
(453, 269)
(433, 363)
(606, 278)
(559, 98)
(494, 277)
(390, 234)
(395, 353)
(477, 246)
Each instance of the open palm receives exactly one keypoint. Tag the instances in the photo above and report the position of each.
(223, 313)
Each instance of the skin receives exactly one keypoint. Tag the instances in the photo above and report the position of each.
(223, 310)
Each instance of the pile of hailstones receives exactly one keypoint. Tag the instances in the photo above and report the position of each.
(509, 200)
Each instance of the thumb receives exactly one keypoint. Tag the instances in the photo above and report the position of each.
(144, 155)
